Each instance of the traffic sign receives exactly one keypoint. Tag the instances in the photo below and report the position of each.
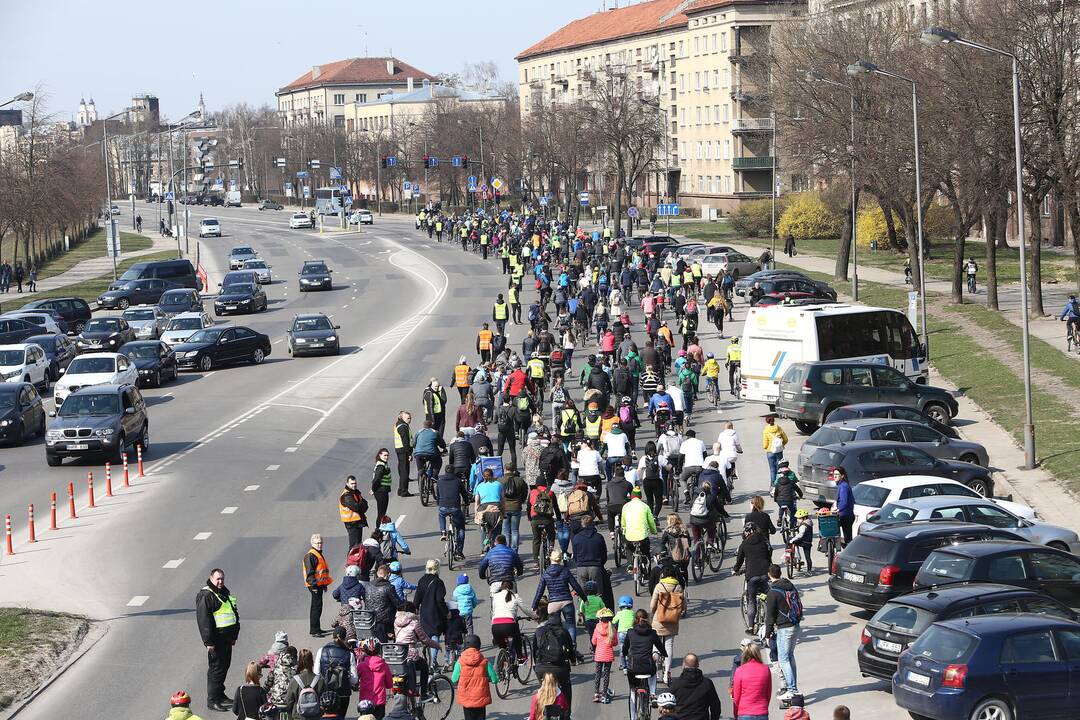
(583, 197)
(170, 195)
(497, 183)
(280, 162)
(483, 188)
(433, 161)
(335, 173)
(456, 161)
(667, 209)
(472, 183)
(543, 200)
(307, 191)
(344, 189)
(314, 164)
(391, 161)
(407, 185)
(302, 174)
(632, 211)
(416, 189)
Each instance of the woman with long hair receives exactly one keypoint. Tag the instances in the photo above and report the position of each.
(250, 696)
(547, 694)
(751, 686)
(507, 608)
(381, 481)
(469, 413)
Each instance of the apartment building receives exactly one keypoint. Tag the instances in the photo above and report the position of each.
(394, 110)
(693, 57)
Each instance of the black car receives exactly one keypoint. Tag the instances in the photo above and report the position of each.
(99, 420)
(21, 412)
(1037, 567)
(778, 285)
(209, 348)
(313, 333)
(240, 298)
(155, 360)
(14, 331)
(180, 300)
(315, 275)
(888, 410)
(880, 564)
(181, 272)
(869, 459)
(104, 335)
(75, 311)
(902, 620)
(270, 205)
(743, 284)
(135, 292)
(58, 349)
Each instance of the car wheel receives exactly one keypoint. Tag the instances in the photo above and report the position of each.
(969, 458)
(258, 356)
(290, 349)
(205, 363)
(979, 485)
(157, 378)
(938, 412)
(121, 446)
(806, 426)
(992, 709)
(735, 274)
(79, 327)
(144, 438)
(123, 304)
(53, 460)
(54, 372)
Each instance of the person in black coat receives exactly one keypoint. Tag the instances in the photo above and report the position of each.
(695, 694)
(756, 553)
(638, 647)
(554, 651)
(217, 635)
(430, 598)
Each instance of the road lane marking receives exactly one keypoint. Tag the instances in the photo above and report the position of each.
(138, 601)
(291, 449)
(173, 564)
(272, 467)
(202, 536)
(229, 510)
(251, 488)
(400, 521)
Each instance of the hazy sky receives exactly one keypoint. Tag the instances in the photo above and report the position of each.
(243, 50)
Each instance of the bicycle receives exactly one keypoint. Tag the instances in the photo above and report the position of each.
(712, 391)
(439, 691)
(1072, 337)
(642, 567)
(756, 629)
(705, 553)
(828, 530)
(427, 483)
(619, 543)
(639, 699)
(786, 527)
(792, 560)
(544, 558)
(507, 666)
(450, 549)
(737, 377)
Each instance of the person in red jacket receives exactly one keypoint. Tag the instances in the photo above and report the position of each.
(752, 686)
(473, 676)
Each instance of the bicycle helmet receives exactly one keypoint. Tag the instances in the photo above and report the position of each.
(802, 513)
(180, 699)
(709, 356)
(626, 400)
(682, 353)
(369, 645)
(395, 567)
(625, 601)
(734, 341)
(664, 700)
(604, 614)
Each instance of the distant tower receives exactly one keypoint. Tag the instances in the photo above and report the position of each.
(201, 109)
(87, 114)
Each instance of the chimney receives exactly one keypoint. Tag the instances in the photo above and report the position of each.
(389, 66)
(408, 84)
(316, 71)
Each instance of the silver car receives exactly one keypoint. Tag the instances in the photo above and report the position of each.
(147, 321)
(261, 270)
(974, 510)
(240, 255)
(909, 432)
(736, 263)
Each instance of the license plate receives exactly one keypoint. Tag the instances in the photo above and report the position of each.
(918, 679)
(230, 307)
(316, 344)
(78, 446)
(887, 646)
(789, 396)
(854, 577)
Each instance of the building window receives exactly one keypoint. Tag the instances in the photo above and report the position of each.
(339, 99)
(708, 149)
(727, 77)
(700, 183)
(714, 42)
(682, 83)
(705, 85)
(698, 115)
(727, 149)
(708, 180)
(682, 150)
(697, 81)
(681, 52)
(723, 42)
(725, 115)
(682, 117)
(339, 121)
(716, 78)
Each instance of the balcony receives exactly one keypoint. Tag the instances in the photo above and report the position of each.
(743, 95)
(752, 125)
(752, 163)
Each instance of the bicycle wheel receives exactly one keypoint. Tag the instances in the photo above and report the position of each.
(715, 556)
(442, 702)
(675, 492)
(789, 563)
(504, 672)
(832, 552)
(618, 548)
(644, 707)
(425, 488)
(697, 561)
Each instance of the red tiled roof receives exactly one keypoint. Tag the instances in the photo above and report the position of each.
(640, 19)
(358, 71)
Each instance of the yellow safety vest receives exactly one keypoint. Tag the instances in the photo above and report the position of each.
(225, 615)
(397, 438)
(569, 422)
(592, 427)
(501, 311)
(536, 368)
(513, 293)
(734, 353)
(436, 403)
(484, 239)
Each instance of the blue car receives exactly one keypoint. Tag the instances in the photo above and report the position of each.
(998, 667)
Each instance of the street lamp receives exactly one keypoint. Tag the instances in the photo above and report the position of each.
(933, 36)
(21, 97)
(377, 143)
(865, 67)
(108, 183)
(815, 76)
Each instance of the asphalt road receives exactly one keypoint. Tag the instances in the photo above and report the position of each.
(247, 462)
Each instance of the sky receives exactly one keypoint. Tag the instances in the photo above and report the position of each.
(244, 50)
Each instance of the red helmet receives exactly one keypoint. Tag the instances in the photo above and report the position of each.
(180, 698)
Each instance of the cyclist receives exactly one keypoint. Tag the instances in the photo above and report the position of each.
(651, 470)
(408, 631)
(560, 584)
(734, 361)
(705, 512)
(500, 563)
(506, 608)
(803, 538)
(1071, 313)
(692, 450)
(638, 525)
(450, 491)
(756, 553)
(488, 502)
(971, 270)
(711, 368)
(428, 448)
(641, 648)
(786, 490)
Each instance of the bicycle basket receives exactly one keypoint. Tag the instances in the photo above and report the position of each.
(395, 655)
(364, 624)
(828, 525)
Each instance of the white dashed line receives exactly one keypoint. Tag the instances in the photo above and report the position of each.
(291, 449)
(173, 564)
(229, 510)
(251, 488)
(272, 467)
(138, 601)
(202, 536)
(400, 520)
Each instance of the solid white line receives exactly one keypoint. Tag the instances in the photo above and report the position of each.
(291, 449)
(229, 510)
(138, 601)
(202, 536)
(272, 467)
(251, 488)
(400, 520)
(173, 564)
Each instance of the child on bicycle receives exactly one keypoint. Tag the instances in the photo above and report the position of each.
(590, 606)
(786, 490)
(804, 536)
(711, 370)
(604, 639)
(623, 621)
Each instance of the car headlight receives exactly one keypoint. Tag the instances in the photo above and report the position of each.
(112, 341)
(245, 302)
(53, 435)
(332, 338)
(103, 432)
(4, 423)
(13, 373)
(145, 372)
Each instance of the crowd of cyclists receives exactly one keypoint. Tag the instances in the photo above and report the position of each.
(588, 455)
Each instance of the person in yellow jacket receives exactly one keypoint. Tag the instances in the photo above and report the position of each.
(637, 523)
(734, 360)
(773, 441)
(316, 579)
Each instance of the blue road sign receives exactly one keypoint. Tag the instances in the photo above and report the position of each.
(543, 200)
(391, 161)
(456, 161)
(407, 185)
(472, 183)
(632, 212)
(667, 209)
(344, 189)
(301, 174)
(583, 197)
(170, 195)
(335, 173)
(433, 161)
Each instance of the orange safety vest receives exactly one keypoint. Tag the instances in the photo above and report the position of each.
(461, 376)
(347, 514)
(322, 571)
(485, 339)
(666, 333)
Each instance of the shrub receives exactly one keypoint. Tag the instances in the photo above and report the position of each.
(753, 218)
(871, 227)
(939, 223)
(807, 217)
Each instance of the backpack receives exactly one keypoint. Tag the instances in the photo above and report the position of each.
(625, 416)
(336, 682)
(670, 605)
(795, 607)
(652, 468)
(680, 552)
(387, 546)
(533, 313)
(357, 556)
(578, 503)
(700, 508)
(521, 402)
(513, 489)
(543, 505)
(307, 702)
(548, 648)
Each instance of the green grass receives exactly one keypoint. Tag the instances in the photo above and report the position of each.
(92, 247)
(32, 645)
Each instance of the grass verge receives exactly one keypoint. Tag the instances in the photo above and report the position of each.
(33, 645)
(92, 247)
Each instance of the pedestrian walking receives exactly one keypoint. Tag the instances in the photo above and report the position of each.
(336, 665)
(219, 625)
(138, 223)
(316, 579)
(250, 696)
(473, 675)
(403, 445)
(353, 507)
(773, 441)
(845, 502)
(20, 274)
(789, 245)
(32, 281)
(751, 686)
(435, 406)
(783, 613)
(695, 694)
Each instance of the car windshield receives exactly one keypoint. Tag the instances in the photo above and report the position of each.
(209, 221)
(185, 324)
(103, 325)
(945, 566)
(896, 513)
(261, 264)
(90, 404)
(140, 351)
(140, 314)
(238, 289)
(826, 458)
(206, 336)
(830, 435)
(299, 216)
(47, 342)
(869, 495)
(944, 645)
(314, 268)
(11, 357)
(177, 299)
(89, 365)
(319, 323)
(243, 251)
(243, 276)
(904, 618)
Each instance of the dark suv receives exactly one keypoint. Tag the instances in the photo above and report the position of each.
(880, 564)
(75, 311)
(902, 620)
(810, 391)
(99, 420)
(315, 275)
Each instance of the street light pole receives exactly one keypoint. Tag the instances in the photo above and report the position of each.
(21, 97)
(772, 179)
(865, 67)
(112, 229)
(933, 36)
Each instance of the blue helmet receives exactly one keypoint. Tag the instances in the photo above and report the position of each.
(395, 567)
(626, 602)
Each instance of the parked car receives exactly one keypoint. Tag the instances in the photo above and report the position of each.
(241, 254)
(315, 275)
(811, 391)
(47, 321)
(791, 298)
(902, 620)
(299, 220)
(104, 420)
(880, 564)
(889, 410)
(270, 205)
(974, 510)
(209, 227)
(106, 333)
(362, 217)
(75, 311)
(25, 362)
(734, 262)
(182, 300)
(1001, 667)
(899, 431)
(147, 321)
(21, 412)
(212, 347)
(871, 495)
(743, 284)
(59, 351)
(313, 333)
(261, 269)
(16, 330)
(154, 359)
(1023, 564)
(181, 272)
(780, 284)
(240, 298)
(184, 325)
(868, 459)
(136, 292)
(94, 369)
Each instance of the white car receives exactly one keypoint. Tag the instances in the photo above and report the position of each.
(260, 268)
(94, 369)
(299, 220)
(210, 227)
(871, 495)
(43, 320)
(184, 325)
(25, 362)
(362, 217)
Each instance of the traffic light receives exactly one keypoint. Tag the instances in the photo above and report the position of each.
(427, 161)
(465, 161)
(383, 162)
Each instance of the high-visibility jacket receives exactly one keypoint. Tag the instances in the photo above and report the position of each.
(592, 427)
(734, 353)
(225, 615)
(502, 312)
(485, 339)
(402, 436)
(322, 570)
(464, 232)
(696, 269)
(688, 277)
(606, 424)
(438, 226)
(461, 375)
(536, 368)
(483, 239)
(569, 422)
(348, 515)
(512, 294)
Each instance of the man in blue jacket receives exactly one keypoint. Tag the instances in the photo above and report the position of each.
(501, 562)
(845, 503)
(590, 553)
(428, 446)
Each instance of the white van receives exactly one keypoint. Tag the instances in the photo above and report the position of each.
(776, 336)
(232, 198)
